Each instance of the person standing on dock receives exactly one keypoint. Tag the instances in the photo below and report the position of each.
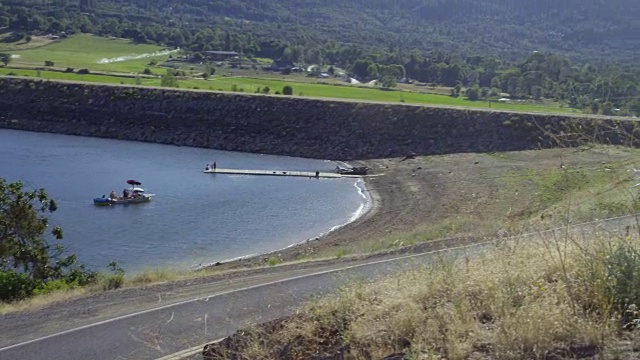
(214, 166)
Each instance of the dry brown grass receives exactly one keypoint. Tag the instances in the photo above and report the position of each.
(41, 301)
(522, 298)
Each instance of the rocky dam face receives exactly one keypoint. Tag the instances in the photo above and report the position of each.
(282, 125)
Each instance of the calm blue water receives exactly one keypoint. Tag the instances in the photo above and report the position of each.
(194, 219)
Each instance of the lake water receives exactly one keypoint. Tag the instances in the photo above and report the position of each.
(195, 218)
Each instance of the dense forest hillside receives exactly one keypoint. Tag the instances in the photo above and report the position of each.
(585, 30)
(582, 53)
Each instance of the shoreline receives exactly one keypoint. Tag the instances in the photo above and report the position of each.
(326, 240)
(370, 205)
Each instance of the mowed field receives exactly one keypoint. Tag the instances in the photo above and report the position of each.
(89, 52)
(122, 57)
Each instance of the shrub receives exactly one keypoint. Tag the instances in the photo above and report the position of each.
(15, 286)
(83, 71)
(287, 90)
(49, 63)
(68, 70)
(147, 71)
(623, 268)
(115, 280)
(54, 285)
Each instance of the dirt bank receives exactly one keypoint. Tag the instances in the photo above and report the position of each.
(468, 197)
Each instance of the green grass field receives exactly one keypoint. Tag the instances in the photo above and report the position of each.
(248, 85)
(361, 93)
(86, 51)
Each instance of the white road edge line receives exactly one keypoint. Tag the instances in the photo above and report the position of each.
(188, 352)
(234, 291)
(286, 280)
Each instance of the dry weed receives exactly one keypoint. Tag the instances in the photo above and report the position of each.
(523, 298)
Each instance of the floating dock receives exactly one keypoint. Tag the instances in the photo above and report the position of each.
(308, 174)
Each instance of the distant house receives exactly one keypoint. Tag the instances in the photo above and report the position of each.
(220, 55)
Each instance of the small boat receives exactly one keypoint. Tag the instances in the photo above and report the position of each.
(358, 170)
(135, 195)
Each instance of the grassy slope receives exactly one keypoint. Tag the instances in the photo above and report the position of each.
(84, 51)
(513, 191)
(516, 300)
(566, 294)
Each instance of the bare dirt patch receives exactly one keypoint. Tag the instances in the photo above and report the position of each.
(7, 43)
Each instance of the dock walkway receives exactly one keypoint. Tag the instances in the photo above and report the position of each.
(309, 174)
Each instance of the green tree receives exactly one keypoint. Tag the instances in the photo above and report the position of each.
(5, 58)
(388, 75)
(208, 71)
(473, 93)
(287, 90)
(169, 79)
(28, 261)
(361, 68)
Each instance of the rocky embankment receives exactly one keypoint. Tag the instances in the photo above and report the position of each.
(286, 125)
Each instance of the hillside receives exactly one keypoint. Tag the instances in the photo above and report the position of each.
(584, 30)
(574, 53)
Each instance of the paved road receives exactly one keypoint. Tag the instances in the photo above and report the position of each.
(165, 330)
(218, 309)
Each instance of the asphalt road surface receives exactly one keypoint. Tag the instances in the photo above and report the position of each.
(154, 333)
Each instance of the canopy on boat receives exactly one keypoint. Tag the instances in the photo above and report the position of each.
(134, 182)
